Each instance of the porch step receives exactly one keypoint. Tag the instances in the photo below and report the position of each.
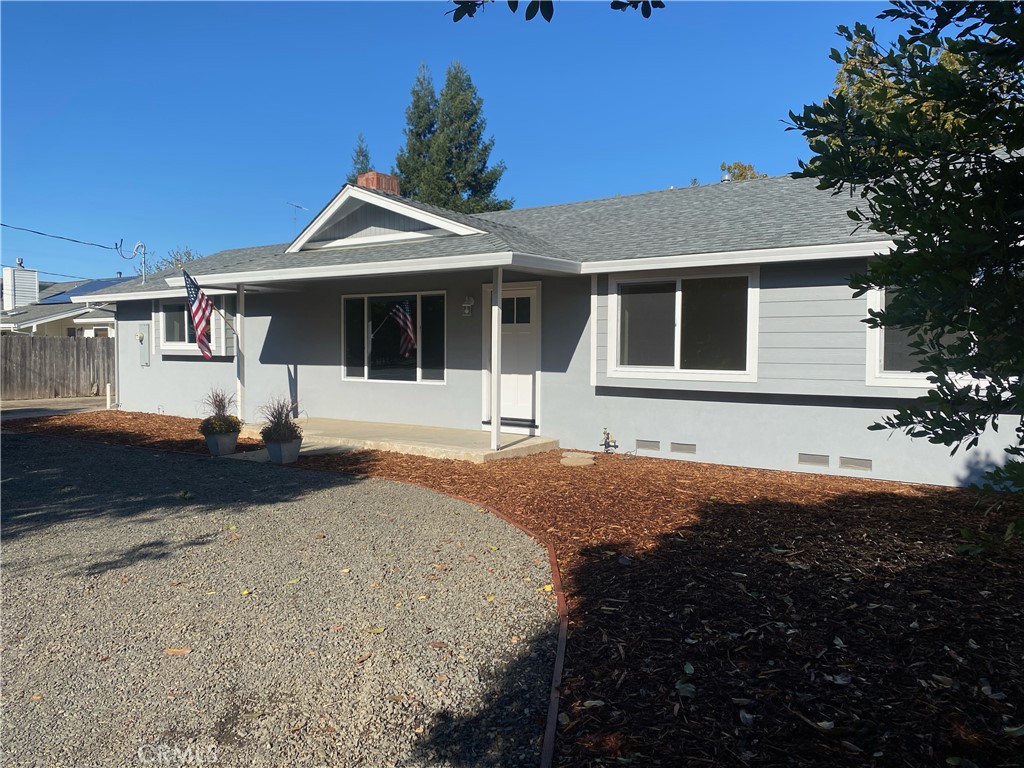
(335, 435)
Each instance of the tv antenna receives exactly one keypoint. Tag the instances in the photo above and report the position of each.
(295, 212)
(140, 250)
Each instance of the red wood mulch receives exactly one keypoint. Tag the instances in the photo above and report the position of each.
(727, 616)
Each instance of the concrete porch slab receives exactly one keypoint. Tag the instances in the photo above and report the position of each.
(336, 435)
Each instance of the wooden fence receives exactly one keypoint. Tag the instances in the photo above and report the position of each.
(55, 366)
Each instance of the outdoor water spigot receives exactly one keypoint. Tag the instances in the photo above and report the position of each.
(608, 441)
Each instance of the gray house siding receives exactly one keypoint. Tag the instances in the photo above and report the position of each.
(155, 383)
(810, 402)
(808, 410)
(368, 221)
(810, 337)
(293, 349)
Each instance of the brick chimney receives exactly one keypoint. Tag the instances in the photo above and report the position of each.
(382, 182)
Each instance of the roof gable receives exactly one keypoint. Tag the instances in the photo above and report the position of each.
(358, 216)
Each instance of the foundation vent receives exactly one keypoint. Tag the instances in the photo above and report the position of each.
(648, 445)
(845, 462)
(683, 447)
(812, 459)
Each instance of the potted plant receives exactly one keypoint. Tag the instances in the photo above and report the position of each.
(220, 428)
(280, 433)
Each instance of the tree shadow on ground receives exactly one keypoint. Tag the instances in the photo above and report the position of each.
(767, 633)
(57, 481)
(509, 731)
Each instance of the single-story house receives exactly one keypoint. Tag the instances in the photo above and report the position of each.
(33, 308)
(708, 323)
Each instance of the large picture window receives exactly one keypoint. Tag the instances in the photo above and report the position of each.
(685, 325)
(395, 337)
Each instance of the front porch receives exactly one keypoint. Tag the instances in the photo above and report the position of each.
(336, 435)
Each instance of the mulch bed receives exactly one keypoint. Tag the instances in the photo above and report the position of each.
(149, 430)
(728, 616)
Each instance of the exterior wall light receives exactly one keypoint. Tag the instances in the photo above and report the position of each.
(467, 306)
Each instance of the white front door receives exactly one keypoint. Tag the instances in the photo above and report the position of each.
(520, 356)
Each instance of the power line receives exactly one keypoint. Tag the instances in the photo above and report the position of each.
(116, 247)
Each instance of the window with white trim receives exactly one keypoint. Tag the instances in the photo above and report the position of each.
(395, 337)
(700, 326)
(891, 361)
(176, 332)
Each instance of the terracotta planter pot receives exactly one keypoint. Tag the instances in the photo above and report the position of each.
(222, 444)
(284, 453)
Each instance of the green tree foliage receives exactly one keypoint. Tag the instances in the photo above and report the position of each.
(741, 171)
(445, 160)
(926, 135)
(175, 257)
(546, 8)
(360, 159)
(412, 162)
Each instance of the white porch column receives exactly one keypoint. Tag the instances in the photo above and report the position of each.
(496, 360)
(239, 350)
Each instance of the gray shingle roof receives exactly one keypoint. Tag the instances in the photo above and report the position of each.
(33, 314)
(775, 212)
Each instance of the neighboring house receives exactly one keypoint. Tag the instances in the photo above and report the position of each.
(45, 309)
(706, 323)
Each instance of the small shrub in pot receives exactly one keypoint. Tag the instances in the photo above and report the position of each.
(220, 428)
(280, 433)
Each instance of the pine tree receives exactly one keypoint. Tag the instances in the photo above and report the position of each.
(360, 159)
(421, 122)
(445, 158)
(459, 177)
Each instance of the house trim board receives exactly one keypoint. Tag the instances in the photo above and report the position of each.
(350, 192)
(675, 373)
(487, 336)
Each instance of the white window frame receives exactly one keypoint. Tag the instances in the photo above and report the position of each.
(419, 335)
(189, 348)
(877, 376)
(674, 372)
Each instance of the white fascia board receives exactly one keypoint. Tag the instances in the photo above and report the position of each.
(52, 318)
(435, 264)
(532, 263)
(758, 256)
(350, 192)
(523, 261)
(162, 293)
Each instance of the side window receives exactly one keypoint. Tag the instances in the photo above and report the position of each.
(688, 325)
(177, 331)
(897, 354)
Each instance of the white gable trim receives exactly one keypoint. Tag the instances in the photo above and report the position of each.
(350, 192)
(727, 258)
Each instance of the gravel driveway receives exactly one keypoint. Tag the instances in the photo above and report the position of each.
(164, 609)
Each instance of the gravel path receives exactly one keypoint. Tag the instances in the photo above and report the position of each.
(164, 609)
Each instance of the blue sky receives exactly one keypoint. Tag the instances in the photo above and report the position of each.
(195, 124)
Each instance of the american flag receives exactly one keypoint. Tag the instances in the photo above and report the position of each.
(404, 319)
(201, 307)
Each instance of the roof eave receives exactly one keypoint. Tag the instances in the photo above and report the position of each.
(525, 261)
(757, 256)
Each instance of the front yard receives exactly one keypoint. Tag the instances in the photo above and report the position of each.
(726, 616)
